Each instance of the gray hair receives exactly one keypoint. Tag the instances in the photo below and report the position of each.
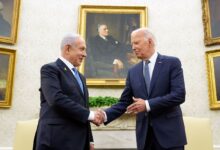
(147, 34)
(100, 24)
(69, 39)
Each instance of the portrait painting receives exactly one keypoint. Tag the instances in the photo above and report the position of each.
(213, 69)
(107, 31)
(211, 21)
(9, 12)
(7, 62)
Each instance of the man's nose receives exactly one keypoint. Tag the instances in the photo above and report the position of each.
(84, 54)
(133, 47)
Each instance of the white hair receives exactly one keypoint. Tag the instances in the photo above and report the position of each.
(69, 39)
(147, 34)
(99, 25)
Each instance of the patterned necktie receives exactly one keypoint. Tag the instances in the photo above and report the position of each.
(78, 79)
(147, 75)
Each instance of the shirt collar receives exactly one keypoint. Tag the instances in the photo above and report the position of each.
(103, 37)
(153, 58)
(67, 63)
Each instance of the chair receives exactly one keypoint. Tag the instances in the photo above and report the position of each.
(198, 132)
(24, 134)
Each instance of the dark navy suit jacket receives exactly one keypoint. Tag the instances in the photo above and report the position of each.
(63, 123)
(167, 92)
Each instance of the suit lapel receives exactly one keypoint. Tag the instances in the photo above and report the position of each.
(156, 72)
(69, 74)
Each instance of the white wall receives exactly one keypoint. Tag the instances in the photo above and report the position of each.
(177, 25)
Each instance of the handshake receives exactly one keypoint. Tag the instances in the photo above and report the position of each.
(138, 105)
(99, 117)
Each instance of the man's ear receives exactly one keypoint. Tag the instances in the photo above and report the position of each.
(67, 48)
(150, 42)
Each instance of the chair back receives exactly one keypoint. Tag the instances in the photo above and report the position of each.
(24, 134)
(199, 133)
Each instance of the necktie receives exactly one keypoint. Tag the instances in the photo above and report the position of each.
(147, 75)
(78, 78)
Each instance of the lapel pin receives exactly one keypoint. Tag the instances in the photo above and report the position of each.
(65, 69)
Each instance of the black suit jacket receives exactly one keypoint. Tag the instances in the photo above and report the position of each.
(167, 92)
(64, 112)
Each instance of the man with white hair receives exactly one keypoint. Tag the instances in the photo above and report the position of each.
(5, 27)
(154, 91)
(65, 117)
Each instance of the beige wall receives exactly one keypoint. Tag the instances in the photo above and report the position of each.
(177, 25)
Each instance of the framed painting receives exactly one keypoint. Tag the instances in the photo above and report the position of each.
(107, 32)
(211, 21)
(7, 63)
(213, 70)
(9, 13)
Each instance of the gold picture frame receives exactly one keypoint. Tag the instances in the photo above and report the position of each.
(211, 21)
(9, 14)
(7, 63)
(101, 66)
(213, 70)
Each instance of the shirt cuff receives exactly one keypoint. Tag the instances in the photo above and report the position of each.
(147, 105)
(91, 116)
(105, 119)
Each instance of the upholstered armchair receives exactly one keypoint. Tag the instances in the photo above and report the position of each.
(198, 131)
(24, 134)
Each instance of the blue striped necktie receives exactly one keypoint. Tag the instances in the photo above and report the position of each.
(78, 79)
(147, 75)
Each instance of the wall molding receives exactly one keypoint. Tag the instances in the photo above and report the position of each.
(6, 148)
(216, 147)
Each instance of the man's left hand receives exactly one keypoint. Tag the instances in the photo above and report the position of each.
(137, 106)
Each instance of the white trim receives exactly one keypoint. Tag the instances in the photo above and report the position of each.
(216, 147)
(6, 148)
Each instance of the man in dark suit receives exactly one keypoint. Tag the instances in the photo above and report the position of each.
(106, 55)
(154, 91)
(64, 122)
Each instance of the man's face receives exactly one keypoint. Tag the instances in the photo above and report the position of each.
(103, 30)
(141, 45)
(77, 52)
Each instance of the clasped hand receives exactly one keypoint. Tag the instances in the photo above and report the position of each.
(99, 117)
(137, 106)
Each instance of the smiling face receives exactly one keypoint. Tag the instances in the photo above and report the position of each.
(76, 52)
(142, 45)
